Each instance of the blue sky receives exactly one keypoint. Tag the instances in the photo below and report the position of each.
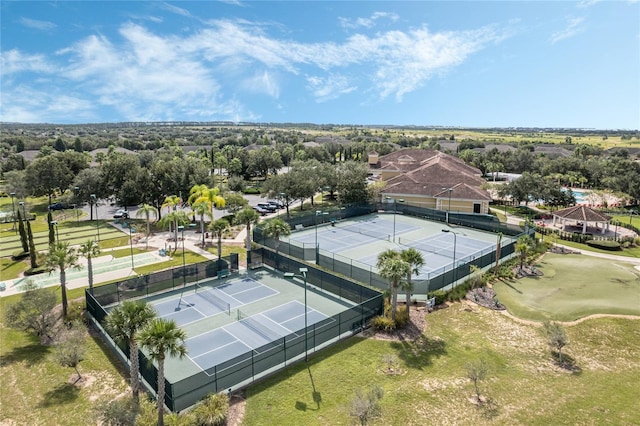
(476, 64)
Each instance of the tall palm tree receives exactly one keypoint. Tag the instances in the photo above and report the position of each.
(275, 228)
(171, 202)
(202, 209)
(247, 217)
(146, 211)
(218, 227)
(415, 260)
(391, 267)
(123, 323)
(89, 250)
(162, 337)
(173, 220)
(62, 257)
(211, 196)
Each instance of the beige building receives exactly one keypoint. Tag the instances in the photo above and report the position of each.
(431, 179)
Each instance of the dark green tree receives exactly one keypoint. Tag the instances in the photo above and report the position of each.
(33, 256)
(33, 313)
(52, 233)
(23, 234)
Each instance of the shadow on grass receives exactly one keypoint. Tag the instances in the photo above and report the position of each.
(420, 352)
(508, 284)
(63, 394)
(31, 354)
(568, 363)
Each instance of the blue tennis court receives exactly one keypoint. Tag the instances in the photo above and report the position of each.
(354, 234)
(207, 301)
(249, 333)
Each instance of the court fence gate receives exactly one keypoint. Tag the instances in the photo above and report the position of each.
(366, 274)
(254, 364)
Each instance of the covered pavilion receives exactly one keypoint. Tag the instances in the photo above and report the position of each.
(582, 216)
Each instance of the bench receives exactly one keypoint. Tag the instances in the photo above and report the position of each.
(3, 286)
(223, 273)
(333, 221)
(192, 225)
(162, 252)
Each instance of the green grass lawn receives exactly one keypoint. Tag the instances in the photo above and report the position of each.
(573, 286)
(430, 384)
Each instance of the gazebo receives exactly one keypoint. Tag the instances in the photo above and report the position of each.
(582, 215)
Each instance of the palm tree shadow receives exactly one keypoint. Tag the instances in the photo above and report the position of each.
(420, 352)
(63, 394)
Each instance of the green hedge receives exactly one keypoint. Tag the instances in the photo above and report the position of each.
(604, 244)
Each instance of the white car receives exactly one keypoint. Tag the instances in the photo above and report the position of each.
(121, 214)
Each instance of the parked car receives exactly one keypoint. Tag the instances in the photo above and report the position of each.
(57, 206)
(121, 214)
(276, 204)
(260, 210)
(268, 207)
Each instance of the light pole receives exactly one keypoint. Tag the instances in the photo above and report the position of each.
(95, 201)
(13, 209)
(448, 208)
(303, 275)
(184, 268)
(54, 223)
(455, 277)
(318, 213)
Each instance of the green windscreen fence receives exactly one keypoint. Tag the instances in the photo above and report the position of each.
(367, 274)
(256, 363)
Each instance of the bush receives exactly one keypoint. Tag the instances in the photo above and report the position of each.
(382, 323)
(459, 292)
(75, 312)
(213, 410)
(402, 317)
(440, 295)
(604, 244)
(251, 190)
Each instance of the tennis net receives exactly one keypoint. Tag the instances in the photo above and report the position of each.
(256, 326)
(424, 246)
(367, 232)
(208, 295)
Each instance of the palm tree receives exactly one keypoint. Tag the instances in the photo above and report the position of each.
(162, 337)
(275, 228)
(171, 202)
(523, 247)
(415, 260)
(62, 257)
(247, 217)
(211, 196)
(218, 227)
(123, 323)
(391, 267)
(89, 250)
(146, 211)
(202, 208)
(173, 220)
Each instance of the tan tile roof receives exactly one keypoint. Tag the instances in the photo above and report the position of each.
(428, 172)
(582, 213)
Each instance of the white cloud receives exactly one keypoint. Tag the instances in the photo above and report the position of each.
(330, 87)
(147, 76)
(27, 105)
(14, 61)
(264, 82)
(37, 24)
(573, 28)
(369, 22)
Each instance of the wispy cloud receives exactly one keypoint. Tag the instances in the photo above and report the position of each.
(38, 25)
(587, 3)
(369, 22)
(573, 28)
(330, 87)
(209, 73)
